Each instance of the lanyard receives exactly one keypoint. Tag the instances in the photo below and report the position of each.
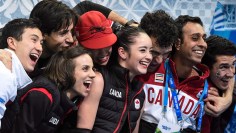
(170, 81)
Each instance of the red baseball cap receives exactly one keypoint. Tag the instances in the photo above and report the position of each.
(94, 31)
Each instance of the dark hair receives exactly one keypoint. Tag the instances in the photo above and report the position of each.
(161, 26)
(217, 45)
(182, 20)
(54, 15)
(15, 29)
(61, 67)
(125, 37)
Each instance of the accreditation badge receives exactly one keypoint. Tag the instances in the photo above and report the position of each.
(166, 127)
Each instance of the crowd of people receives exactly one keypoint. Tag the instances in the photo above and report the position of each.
(90, 70)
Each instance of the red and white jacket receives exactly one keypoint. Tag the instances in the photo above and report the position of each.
(188, 90)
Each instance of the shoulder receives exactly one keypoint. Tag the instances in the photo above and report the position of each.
(36, 95)
(97, 84)
(98, 78)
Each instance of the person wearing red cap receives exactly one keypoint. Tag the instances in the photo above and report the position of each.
(122, 97)
(93, 32)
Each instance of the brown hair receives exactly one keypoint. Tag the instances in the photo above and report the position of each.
(60, 68)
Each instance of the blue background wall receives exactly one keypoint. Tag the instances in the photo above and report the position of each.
(10, 9)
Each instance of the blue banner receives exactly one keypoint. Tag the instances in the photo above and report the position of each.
(224, 22)
(231, 128)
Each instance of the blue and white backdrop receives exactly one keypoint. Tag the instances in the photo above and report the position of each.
(224, 15)
(135, 9)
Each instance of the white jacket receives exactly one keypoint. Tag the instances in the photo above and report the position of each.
(10, 82)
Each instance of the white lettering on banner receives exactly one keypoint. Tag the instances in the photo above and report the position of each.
(186, 102)
(115, 93)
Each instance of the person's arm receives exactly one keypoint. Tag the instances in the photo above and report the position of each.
(136, 129)
(117, 18)
(123, 21)
(6, 58)
(215, 105)
(8, 88)
(88, 108)
(33, 110)
(87, 6)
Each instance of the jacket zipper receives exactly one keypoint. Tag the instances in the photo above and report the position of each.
(122, 115)
(140, 90)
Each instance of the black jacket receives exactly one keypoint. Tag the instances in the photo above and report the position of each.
(121, 102)
(38, 112)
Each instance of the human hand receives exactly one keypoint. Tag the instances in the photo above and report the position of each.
(215, 105)
(213, 92)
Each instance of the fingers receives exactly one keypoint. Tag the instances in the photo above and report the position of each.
(216, 105)
(212, 97)
(213, 92)
(211, 109)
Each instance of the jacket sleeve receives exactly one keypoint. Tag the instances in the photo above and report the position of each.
(8, 88)
(33, 110)
(87, 6)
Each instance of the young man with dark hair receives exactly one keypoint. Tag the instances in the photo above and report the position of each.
(58, 21)
(174, 105)
(220, 58)
(162, 30)
(23, 39)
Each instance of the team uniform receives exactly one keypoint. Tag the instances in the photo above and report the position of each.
(80, 9)
(121, 102)
(40, 108)
(188, 93)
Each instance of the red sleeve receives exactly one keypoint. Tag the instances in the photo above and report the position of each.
(33, 110)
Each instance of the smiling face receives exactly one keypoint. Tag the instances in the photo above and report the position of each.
(29, 48)
(59, 40)
(102, 56)
(139, 55)
(83, 74)
(159, 55)
(193, 45)
(222, 71)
